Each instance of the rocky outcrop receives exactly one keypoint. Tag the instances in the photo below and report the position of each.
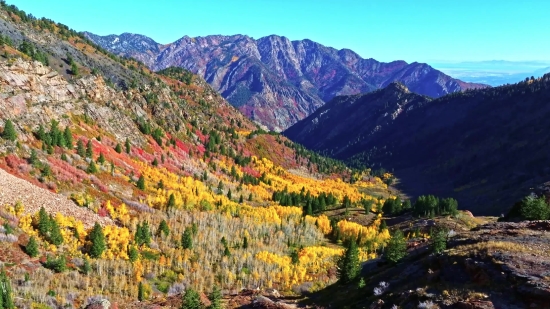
(275, 81)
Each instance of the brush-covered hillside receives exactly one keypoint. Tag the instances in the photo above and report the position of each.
(121, 186)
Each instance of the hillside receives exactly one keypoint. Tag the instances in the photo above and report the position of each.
(484, 147)
(121, 185)
(277, 82)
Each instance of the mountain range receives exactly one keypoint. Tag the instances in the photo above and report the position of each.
(275, 81)
(487, 147)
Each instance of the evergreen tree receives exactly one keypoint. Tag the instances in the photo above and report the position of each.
(294, 257)
(171, 202)
(68, 138)
(56, 238)
(187, 239)
(250, 197)
(245, 242)
(349, 265)
(133, 254)
(89, 149)
(215, 298)
(97, 239)
(80, 150)
(229, 194)
(43, 222)
(33, 159)
(128, 146)
(32, 247)
(532, 208)
(5, 291)
(163, 228)
(439, 242)
(92, 168)
(9, 131)
(146, 233)
(141, 292)
(241, 199)
(118, 148)
(86, 267)
(101, 158)
(141, 183)
(226, 251)
(191, 300)
(396, 248)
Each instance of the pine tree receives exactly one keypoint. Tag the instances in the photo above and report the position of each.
(33, 159)
(101, 158)
(187, 239)
(250, 197)
(89, 149)
(5, 291)
(245, 242)
(118, 148)
(80, 150)
(215, 298)
(439, 243)
(133, 254)
(229, 194)
(294, 257)
(92, 168)
(43, 222)
(145, 233)
(68, 138)
(171, 202)
(141, 292)
(226, 251)
(9, 131)
(349, 265)
(56, 238)
(163, 228)
(86, 267)
(128, 146)
(396, 248)
(32, 247)
(191, 300)
(97, 239)
(241, 199)
(141, 183)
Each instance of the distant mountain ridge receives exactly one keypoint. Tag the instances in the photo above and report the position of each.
(487, 148)
(277, 82)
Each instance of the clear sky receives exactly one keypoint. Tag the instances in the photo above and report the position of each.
(411, 30)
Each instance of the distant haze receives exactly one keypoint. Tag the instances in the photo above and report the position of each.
(493, 72)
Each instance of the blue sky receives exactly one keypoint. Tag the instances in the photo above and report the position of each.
(411, 30)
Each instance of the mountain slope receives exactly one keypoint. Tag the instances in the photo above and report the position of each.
(275, 81)
(485, 147)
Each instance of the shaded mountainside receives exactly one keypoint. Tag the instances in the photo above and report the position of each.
(275, 81)
(487, 148)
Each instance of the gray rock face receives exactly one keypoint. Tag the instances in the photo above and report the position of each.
(275, 81)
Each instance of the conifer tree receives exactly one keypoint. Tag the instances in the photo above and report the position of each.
(191, 300)
(133, 254)
(9, 131)
(187, 239)
(89, 149)
(349, 265)
(86, 267)
(294, 257)
(397, 247)
(171, 202)
(68, 138)
(141, 183)
(43, 222)
(118, 148)
(229, 194)
(245, 242)
(141, 292)
(5, 292)
(80, 150)
(215, 298)
(241, 199)
(92, 168)
(128, 146)
(163, 228)
(56, 238)
(33, 159)
(97, 239)
(32, 247)
(101, 158)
